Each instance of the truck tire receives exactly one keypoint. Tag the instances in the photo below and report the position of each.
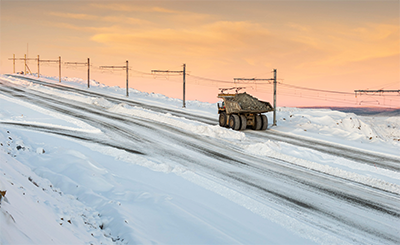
(264, 120)
(222, 119)
(234, 122)
(258, 123)
(243, 122)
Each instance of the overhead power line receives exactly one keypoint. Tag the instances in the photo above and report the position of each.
(82, 63)
(210, 79)
(183, 72)
(53, 61)
(380, 91)
(313, 89)
(391, 95)
(126, 67)
(25, 59)
(269, 81)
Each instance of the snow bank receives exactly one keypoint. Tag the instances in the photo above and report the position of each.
(41, 116)
(34, 211)
(67, 194)
(183, 123)
(343, 128)
(100, 194)
(118, 91)
(267, 149)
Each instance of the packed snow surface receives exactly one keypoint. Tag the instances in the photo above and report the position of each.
(153, 172)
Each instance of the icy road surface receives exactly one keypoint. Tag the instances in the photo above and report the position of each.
(320, 197)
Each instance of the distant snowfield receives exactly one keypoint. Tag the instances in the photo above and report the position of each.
(64, 190)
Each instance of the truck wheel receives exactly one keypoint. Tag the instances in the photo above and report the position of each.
(243, 122)
(264, 120)
(222, 119)
(234, 122)
(258, 123)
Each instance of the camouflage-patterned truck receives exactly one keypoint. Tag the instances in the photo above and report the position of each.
(240, 111)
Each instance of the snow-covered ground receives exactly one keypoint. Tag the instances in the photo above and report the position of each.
(90, 166)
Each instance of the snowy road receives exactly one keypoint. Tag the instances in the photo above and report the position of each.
(343, 209)
(351, 153)
(354, 154)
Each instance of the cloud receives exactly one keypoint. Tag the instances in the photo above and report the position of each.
(132, 8)
(115, 19)
(157, 14)
(347, 44)
(328, 45)
(82, 28)
(298, 46)
(222, 43)
(218, 37)
(125, 20)
(74, 16)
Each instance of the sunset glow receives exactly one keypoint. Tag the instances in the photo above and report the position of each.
(326, 45)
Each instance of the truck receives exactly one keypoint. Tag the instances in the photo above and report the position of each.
(240, 111)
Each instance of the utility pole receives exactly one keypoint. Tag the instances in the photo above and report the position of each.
(184, 80)
(52, 61)
(127, 75)
(127, 86)
(59, 68)
(274, 98)
(269, 81)
(25, 64)
(82, 63)
(88, 72)
(184, 85)
(38, 66)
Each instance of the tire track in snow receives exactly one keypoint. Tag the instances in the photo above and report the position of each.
(72, 134)
(199, 118)
(270, 179)
(354, 154)
(351, 153)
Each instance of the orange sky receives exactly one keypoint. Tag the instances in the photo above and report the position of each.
(328, 45)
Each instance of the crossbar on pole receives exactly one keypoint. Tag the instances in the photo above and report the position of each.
(81, 63)
(253, 79)
(264, 79)
(119, 67)
(183, 72)
(381, 91)
(377, 91)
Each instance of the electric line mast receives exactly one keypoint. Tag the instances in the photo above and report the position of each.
(82, 63)
(183, 72)
(53, 61)
(269, 81)
(127, 75)
(25, 64)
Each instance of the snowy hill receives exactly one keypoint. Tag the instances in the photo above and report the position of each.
(90, 166)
